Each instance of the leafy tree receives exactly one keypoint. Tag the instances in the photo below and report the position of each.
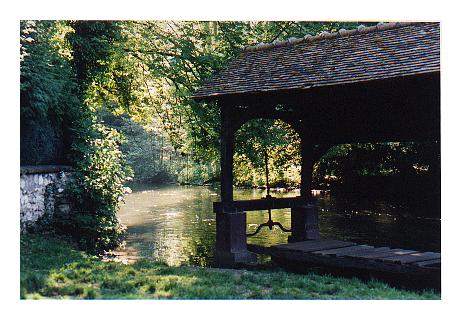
(173, 58)
(273, 138)
(348, 165)
(59, 77)
(48, 93)
(96, 190)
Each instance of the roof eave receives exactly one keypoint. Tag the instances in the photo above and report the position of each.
(307, 88)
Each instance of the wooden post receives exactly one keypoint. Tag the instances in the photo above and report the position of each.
(304, 219)
(227, 152)
(307, 167)
(304, 223)
(231, 241)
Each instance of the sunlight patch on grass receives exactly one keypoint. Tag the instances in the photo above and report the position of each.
(51, 268)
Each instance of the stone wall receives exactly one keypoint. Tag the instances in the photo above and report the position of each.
(43, 193)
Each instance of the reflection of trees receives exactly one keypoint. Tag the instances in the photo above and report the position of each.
(255, 218)
(266, 236)
(181, 228)
(200, 249)
(190, 238)
(201, 240)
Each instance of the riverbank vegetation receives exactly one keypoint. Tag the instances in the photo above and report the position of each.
(52, 268)
(60, 63)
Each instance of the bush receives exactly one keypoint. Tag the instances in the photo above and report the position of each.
(96, 190)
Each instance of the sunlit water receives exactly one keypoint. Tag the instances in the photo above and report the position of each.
(176, 224)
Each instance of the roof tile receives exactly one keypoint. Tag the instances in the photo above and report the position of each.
(366, 53)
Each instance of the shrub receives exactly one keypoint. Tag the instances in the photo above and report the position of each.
(96, 190)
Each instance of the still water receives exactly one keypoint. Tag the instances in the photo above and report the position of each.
(176, 224)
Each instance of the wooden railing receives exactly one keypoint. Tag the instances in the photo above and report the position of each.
(261, 204)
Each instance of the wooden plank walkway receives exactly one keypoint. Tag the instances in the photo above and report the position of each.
(341, 254)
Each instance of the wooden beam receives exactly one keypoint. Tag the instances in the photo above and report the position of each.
(345, 250)
(436, 263)
(316, 245)
(346, 255)
(412, 257)
(401, 109)
(260, 204)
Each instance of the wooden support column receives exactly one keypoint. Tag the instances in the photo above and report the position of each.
(304, 219)
(227, 152)
(307, 167)
(231, 241)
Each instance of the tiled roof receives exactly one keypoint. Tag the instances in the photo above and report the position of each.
(386, 50)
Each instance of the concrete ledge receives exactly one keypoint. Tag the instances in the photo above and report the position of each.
(41, 169)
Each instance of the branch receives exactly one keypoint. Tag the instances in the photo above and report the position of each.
(282, 30)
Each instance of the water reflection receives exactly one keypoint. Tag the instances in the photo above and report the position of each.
(176, 224)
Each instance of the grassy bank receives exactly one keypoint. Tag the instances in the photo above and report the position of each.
(52, 268)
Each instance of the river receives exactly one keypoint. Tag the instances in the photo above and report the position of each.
(176, 224)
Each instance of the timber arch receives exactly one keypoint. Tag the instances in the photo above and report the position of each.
(371, 84)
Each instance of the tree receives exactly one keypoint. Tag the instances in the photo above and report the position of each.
(170, 60)
(48, 93)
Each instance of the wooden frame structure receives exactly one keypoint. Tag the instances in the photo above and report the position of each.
(383, 96)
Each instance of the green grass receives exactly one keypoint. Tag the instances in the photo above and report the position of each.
(52, 268)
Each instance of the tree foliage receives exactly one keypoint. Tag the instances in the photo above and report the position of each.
(48, 93)
(96, 190)
(169, 60)
(57, 88)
